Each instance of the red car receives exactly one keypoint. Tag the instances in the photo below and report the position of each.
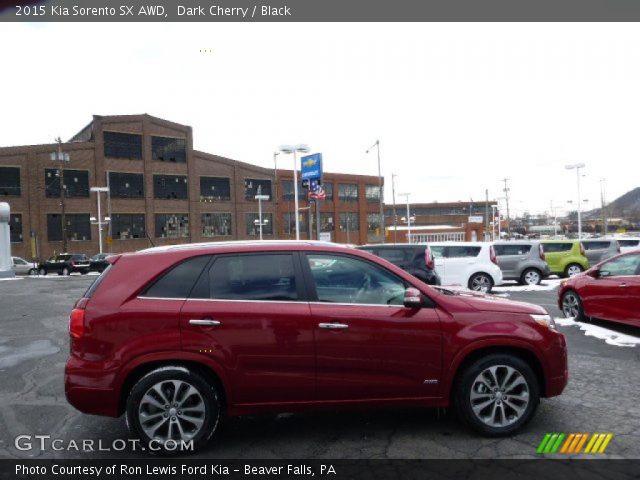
(176, 336)
(608, 291)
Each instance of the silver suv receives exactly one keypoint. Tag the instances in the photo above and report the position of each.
(599, 249)
(522, 261)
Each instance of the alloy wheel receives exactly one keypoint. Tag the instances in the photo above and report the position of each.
(172, 410)
(571, 305)
(499, 396)
(573, 270)
(481, 283)
(532, 277)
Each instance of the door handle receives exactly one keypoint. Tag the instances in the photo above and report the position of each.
(623, 284)
(333, 326)
(204, 323)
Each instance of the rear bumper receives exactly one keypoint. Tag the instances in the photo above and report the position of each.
(88, 388)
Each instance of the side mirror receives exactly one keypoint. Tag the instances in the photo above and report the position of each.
(412, 298)
(594, 272)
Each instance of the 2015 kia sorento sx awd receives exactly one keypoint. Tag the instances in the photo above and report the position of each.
(176, 336)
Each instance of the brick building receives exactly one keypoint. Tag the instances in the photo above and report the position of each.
(161, 191)
(350, 212)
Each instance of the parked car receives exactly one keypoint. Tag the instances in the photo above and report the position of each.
(629, 244)
(522, 261)
(22, 267)
(175, 336)
(470, 264)
(565, 258)
(415, 259)
(98, 263)
(598, 250)
(65, 264)
(608, 291)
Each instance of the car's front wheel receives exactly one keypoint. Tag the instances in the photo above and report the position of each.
(531, 276)
(42, 271)
(33, 271)
(497, 394)
(66, 271)
(572, 270)
(480, 282)
(572, 306)
(173, 409)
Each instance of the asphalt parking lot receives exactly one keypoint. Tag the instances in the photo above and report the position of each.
(601, 396)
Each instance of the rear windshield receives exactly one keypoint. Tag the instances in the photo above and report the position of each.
(96, 283)
(515, 249)
(629, 243)
(79, 257)
(596, 245)
(557, 247)
(457, 251)
(61, 258)
(395, 255)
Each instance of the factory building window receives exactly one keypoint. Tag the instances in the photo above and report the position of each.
(216, 224)
(168, 149)
(78, 226)
(289, 223)
(372, 193)
(126, 185)
(172, 225)
(348, 192)
(327, 222)
(10, 181)
(349, 221)
(170, 186)
(214, 188)
(253, 187)
(76, 183)
(15, 227)
(122, 145)
(125, 226)
(287, 191)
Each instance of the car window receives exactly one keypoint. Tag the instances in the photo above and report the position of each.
(178, 282)
(462, 251)
(515, 249)
(266, 277)
(352, 280)
(557, 247)
(625, 265)
(61, 258)
(19, 261)
(629, 243)
(79, 257)
(393, 255)
(596, 245)
(438, 251)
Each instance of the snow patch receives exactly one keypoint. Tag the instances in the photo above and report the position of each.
(546, 285)
(611, 337)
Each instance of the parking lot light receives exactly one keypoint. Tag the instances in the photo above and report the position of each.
(577, 167)
(302, 148)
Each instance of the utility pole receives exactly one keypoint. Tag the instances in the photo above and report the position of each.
(382, 229)
(62, 157)
(275, 193)
(506, 196)
(395, 214)
(486, 212)
(604, 210)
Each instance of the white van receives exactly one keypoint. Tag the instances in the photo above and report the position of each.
(470, 264)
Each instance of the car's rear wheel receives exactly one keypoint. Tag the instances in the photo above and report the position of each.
(33, 271)
(42, 271)
(497, 394)
(572, 270)
(171, 408)
(572, 306)
(480, 282)
(66, 271)
(531, 276)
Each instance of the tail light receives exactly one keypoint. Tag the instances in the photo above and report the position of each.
(76, 318)
(428, 258)
(541, 251)
(581, 249)
(492, 255)
(72, 263)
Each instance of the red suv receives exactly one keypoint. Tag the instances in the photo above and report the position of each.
(176, 336)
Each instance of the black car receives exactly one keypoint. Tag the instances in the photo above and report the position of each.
(65, 264)
(98, 262)
(415, 259)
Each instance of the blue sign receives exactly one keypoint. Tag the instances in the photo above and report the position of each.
(311, 167)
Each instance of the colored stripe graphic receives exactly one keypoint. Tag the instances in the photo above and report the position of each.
(573, 443)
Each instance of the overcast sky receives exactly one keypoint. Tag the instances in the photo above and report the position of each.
(456, 107)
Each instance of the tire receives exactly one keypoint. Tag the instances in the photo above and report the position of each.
(502, 414)
(84, 272)
(33, 271)
(572, 270)
(480, 282)
(531, 276)
(204, 404)
(572, 306)
(42, 271)
(66, 271)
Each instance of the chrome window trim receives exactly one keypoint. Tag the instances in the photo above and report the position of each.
(273, 301)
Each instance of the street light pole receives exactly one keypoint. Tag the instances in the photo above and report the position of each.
(382, 227)
(395, 215)
(406, 195)
(577, 167)
(100, 221)
(275, 192)
(506, 196)
(604, 211)
(260, 197)
(62, 157)
(294, 149)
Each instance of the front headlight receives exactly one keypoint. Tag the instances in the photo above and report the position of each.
(544, 320)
